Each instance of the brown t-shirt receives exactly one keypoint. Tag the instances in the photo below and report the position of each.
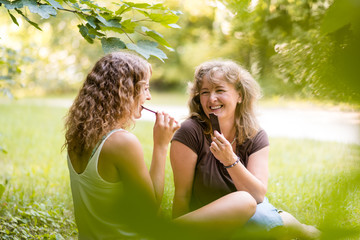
(211, 180)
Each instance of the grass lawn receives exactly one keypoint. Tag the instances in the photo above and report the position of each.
(315, 181)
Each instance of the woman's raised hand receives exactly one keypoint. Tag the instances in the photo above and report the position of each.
(222, 149)
(164, 128)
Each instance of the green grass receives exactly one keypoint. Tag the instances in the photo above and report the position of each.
(315, 181)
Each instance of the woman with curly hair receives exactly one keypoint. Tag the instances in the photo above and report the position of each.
(108, 174)
(210, 165)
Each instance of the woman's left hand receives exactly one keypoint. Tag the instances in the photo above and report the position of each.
(222, 149)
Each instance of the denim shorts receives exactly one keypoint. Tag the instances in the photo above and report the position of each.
(266, 216)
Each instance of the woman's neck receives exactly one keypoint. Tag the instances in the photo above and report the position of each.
(228, 130)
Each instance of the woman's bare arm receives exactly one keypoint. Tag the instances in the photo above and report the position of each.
(183, 162)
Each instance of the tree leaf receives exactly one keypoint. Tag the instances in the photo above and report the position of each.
(173, 25)
(147, 48)
(112, 23)
(12, 5)
(158, 6)
(93, 22)
(13, 18)
(112, 44)
(137, 5)
(55, 4)
(84, 31)
(156, 36)
(93, 31)
(45, 11)
(28, 20)
(143, 12)
(177, 13)
(164, 19)
(75, 5)
(129, 26)
(94, 6)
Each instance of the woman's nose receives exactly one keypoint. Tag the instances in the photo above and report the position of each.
(148, 96)
(212, 97)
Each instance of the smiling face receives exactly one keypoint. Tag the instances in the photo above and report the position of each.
(219, 97)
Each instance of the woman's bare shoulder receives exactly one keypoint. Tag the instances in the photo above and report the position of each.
(122, 143)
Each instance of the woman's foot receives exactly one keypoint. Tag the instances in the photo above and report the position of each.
(298, 230)
(310, 232)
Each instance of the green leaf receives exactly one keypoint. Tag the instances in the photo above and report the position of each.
(176, 12)
(55, 4)
(84, 31)
(113, 23)
(93, 31)
(12, 5)
(146, 49)
(75, 5)
(2, 187)
(93, 5)
(156, 36)
(123, 9)
(143, 12)
(174, 25)
(13, 18)
(128, 26)
(93, 22)
(45, 11)
(137, 5)
(164, 19)
(158, 6)
(28, 20)
(112, 44)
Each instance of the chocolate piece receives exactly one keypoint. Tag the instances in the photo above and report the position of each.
(214, 122)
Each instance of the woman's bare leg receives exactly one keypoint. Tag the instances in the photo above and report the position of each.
(227, 213)
(297, 229)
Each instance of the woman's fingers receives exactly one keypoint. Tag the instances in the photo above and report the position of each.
(214, 146)
(166, 122)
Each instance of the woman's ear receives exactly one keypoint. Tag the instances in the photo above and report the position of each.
(239, 100)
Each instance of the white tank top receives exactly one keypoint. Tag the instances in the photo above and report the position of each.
(97, 203)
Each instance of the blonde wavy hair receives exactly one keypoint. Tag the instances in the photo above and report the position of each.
(106, 99)
(246, 123)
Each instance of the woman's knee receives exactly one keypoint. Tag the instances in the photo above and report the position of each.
(244, 202)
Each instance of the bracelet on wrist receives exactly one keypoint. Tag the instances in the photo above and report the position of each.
(236, 162)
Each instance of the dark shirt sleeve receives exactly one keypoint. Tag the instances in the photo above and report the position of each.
(260, 141)
(188, 134)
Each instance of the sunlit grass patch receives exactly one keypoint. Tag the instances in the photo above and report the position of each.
(315, 181)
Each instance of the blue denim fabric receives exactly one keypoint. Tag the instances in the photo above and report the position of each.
(266, 216)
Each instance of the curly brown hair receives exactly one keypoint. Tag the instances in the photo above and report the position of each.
(246, 123)
(105, 100)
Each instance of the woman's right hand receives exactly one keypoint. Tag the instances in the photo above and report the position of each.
(164, 128)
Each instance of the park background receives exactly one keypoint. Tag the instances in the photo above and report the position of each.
(305, 55)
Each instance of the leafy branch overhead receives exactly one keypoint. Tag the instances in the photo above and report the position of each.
(123, 21)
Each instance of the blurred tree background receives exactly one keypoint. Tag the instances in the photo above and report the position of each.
(301, 48)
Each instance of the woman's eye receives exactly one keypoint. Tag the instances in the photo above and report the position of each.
(203, 93)
(220, 90)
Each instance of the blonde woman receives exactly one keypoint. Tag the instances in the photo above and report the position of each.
(209, 165)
